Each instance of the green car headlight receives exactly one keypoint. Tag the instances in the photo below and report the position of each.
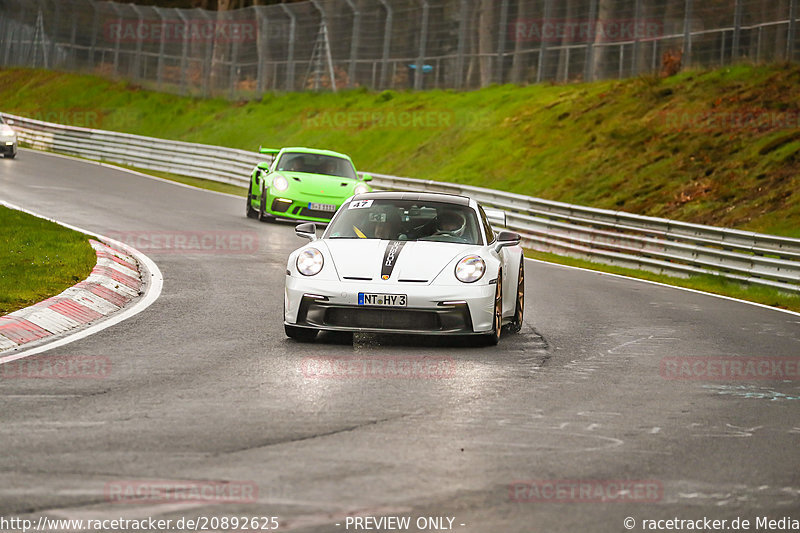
(309, 262)
(470, 269)
(280, 183)
(360, 189)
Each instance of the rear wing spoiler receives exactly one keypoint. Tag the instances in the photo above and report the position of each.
(496, 216)
(268, 151)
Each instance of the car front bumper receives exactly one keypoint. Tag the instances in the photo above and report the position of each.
(291, 206)
(431, 309)
(8, 146)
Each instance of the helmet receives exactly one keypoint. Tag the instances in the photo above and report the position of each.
(452, 222)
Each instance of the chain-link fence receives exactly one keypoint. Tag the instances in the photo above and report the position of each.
(421, 44)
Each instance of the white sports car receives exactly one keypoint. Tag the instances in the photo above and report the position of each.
(394, 262)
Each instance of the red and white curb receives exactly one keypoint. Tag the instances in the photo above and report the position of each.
(114, 281)
(121, 274)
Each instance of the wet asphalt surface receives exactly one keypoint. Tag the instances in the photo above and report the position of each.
(205, 388)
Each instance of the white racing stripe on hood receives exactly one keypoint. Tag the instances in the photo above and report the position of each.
(418, 260)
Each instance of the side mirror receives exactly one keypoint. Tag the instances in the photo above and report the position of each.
(366, 177)
(507, 238)
(307, 230)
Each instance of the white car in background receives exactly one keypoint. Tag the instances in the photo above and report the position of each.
(8, 138)
(419, 263)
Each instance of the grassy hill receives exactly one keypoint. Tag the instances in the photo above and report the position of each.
(716, 147)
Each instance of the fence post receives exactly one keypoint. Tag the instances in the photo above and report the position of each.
(234, 55)
(290, 53)
(351, 71)
(387, 39)
(588, 68)
(686, 59)
(737, 30)
(119, 37)
(463, 21)
(263, 33)
(95, 22)
(502, 33)
(422, 41)
(548, 12)
(184, 49)
(160, 63)
(72, 35)
(209, 53)
(637, 19)
(134, 68)
(791, 30)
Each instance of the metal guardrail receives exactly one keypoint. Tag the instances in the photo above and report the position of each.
(614, 237)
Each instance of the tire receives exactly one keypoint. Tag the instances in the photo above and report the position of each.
(300, 334)
(519, 311)
(249, 211)
(263, 216)
(491, 339)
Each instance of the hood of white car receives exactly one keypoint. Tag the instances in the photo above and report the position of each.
(415, 260)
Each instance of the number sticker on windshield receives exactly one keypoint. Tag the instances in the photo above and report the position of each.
(360, 204)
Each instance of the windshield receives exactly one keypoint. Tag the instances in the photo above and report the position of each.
(405, 220)
(316, 164)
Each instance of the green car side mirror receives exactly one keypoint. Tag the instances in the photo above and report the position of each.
(366, 177)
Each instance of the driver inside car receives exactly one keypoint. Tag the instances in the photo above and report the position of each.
(452, 223)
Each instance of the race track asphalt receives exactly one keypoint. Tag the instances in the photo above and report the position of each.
(204, 386)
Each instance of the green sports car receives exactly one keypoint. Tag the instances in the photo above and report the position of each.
(302, 183)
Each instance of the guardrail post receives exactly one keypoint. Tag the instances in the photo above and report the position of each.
(351, 71)
(502, 33)
(387, 39)
(422, 41)
(792, 30)
(686, 58)
(290, 54)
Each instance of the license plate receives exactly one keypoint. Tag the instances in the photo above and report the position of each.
(322, 207)
(383, 300)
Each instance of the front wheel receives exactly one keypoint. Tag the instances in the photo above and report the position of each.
(300, 334)
(519, 311)
(249, 211)
(493, 337)
(263, 216)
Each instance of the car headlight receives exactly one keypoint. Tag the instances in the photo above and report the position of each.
(360, 189)
(470, 269)
(309, 262)
(5, 131)
(280, 183)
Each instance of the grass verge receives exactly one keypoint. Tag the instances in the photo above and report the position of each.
(708, 283)
(38, 259)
